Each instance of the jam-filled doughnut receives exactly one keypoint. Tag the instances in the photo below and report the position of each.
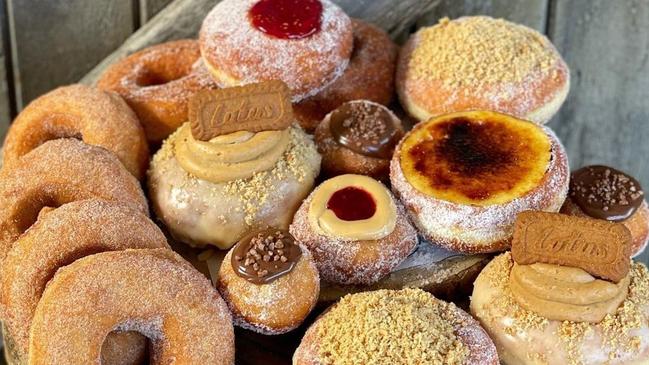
(60, 237)
(602, 192)
(465, 176)
(408, 326)
(58, 172)
(269, 281)
(481, 63)
(305, 43)
(77, 111)
(157, 82)
(358, 138)
(355, 229)
(369, 76)
(151, 291)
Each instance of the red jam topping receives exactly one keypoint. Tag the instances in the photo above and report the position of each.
(287, 19)
(352, 204)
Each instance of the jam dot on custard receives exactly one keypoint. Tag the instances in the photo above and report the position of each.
(352, 204)
(287, 19)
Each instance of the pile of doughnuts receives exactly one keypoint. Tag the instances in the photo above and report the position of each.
(276, 163)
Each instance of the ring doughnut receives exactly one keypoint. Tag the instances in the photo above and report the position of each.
(154, 292)
(78, 111)
(58, 238)
(58, 172)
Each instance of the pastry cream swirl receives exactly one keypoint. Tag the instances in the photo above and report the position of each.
(565, 293)
(232, 156)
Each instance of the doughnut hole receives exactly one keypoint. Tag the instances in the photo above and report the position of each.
(161, 73)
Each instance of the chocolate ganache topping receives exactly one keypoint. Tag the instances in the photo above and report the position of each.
(605, 193)
(264, 256)
(366, 128)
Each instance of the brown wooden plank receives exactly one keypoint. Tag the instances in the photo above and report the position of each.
(58, 41)
(149, 8)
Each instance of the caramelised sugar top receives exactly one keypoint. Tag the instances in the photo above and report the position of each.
(478, 158)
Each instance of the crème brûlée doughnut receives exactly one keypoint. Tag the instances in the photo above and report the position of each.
(408, 326)
(157, 82)
(369, 76)
(269, 281)
(78, 111)
(465, 176)
(552, 314)
(355, 229)
(307, 44)
(602, 192)
(151, 291)
(214, 192)
(481, 63)
(60, 237)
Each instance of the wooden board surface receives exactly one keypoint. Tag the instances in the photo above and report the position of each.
(5, 99)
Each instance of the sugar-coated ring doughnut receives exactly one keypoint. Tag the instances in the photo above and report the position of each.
(157, 83)
(78, 111)
(58, 238)
(58, 172)
(369, 76)
(237, 53)
(152, 291)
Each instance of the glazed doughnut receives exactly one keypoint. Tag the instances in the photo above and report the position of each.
(157, 83)
(247, 41)
(369, 76)
(77, 111)
(464, 177)
(358, 138)
(152, 291)
(58, 172)
(355, 229)
(58, 238)
(408, 326)
(272, 289)
(481, 63)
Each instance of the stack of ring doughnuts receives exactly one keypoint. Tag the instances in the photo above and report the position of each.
(158, 82)
(77, 111)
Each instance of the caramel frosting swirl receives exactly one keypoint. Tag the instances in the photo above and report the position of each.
(565, 293)
(232, 156)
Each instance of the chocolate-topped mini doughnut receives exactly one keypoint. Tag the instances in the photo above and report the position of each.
(602, 192)
(269, 281)
(358, 138)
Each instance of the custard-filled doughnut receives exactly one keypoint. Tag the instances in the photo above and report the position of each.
(369, 76)
(59, 172)
(157, 82)
(481, 63)
(408, 326)
(269, 281)
(77, 111)
(154, 292)
(524, 336)
(465, 176)
(355, 229)
(602, 192)
(307, 43)
(358, 138)
(215, 192)
(60, 237)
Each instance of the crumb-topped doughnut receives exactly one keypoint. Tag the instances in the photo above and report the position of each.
(60, 237)
(58, 172)
(369, 76)
(269, 282)
(465, 176)
(481, 63)
(406, 326)
(306, 44)
(151, 291)
(358, 138)
(157, 82)
(355, 229)
(77, 111)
